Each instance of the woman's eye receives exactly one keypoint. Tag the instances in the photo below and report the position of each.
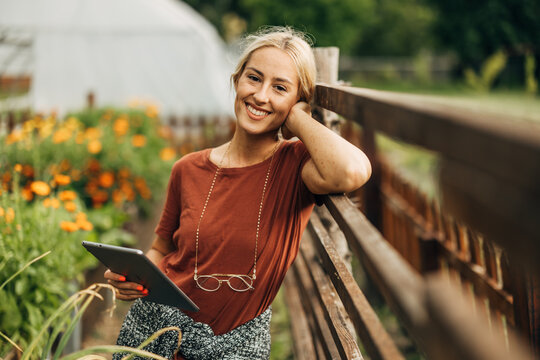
(253, 78)
(281, 88)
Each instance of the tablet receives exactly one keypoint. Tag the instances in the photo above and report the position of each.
(136, 267)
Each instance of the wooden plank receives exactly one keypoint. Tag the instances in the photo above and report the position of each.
(374, 337)
(457, 332)
(401, 286)
(484, 286)
(508, 148)
(502, 212)
(304, 349)
(334, 312)
(314, 308)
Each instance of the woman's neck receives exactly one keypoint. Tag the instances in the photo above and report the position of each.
(247, 150)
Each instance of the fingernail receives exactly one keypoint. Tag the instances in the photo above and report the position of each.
(122, 278)
(145, 292)
(139, 287)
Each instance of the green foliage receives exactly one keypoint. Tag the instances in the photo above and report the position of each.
(489, 71)
(531, 84)
(331, 22)
(476, 29)
(396, 28)
(62, 182)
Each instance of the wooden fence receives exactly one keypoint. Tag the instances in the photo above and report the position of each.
(482, 237)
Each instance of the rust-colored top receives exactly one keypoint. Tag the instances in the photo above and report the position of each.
(228, 228)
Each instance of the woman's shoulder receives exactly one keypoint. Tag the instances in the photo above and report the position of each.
(193, 159)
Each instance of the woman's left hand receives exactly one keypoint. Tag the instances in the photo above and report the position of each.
(300, 106)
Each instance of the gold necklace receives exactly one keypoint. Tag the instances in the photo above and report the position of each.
(236, 282)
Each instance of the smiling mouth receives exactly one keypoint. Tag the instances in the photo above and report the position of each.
(256, 112)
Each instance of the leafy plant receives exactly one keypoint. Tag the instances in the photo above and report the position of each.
(489, 71)
(531, 84)
(61, 324)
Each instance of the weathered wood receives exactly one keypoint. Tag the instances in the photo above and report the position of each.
(501, 157)
(401, 286)
(459, 333)
(501, 211)
(333, 310)
(312, 306)
(373, 336)
(304, 349)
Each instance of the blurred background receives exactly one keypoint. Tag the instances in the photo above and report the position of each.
(98, 98)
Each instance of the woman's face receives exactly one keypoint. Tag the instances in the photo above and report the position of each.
(266, 91)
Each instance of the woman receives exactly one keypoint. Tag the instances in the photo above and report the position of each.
(234, 214)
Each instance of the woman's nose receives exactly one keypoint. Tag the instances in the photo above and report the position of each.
(261, 95)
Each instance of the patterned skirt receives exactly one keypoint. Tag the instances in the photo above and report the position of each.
(248, 341)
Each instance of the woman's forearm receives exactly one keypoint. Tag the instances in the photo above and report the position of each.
(160, 248)
(337, 165)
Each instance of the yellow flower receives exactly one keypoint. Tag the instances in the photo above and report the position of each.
(10, 215)
(167, 153)
(72, 123)
(138, 140)
(152, 111)
(2, 212)
(61, 179)
(40, 188)
(67, 195)
(94, 147)
(61, 135)
(46, 130)
(69, 226)
(17, 168)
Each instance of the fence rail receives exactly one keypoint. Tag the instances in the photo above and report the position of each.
(411, 246)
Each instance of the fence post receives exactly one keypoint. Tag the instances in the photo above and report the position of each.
(526, 306)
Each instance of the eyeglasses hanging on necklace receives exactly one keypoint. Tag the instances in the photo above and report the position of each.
(237, 282)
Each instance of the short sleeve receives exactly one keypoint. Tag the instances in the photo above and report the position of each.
(170, 216)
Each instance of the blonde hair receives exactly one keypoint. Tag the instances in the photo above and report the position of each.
(296, 44)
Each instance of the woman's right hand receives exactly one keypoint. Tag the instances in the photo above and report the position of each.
(125, 290)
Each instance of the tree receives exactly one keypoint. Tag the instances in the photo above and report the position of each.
(331, 22)
(474, 30)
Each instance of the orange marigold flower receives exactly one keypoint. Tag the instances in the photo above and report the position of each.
(67, 195)
(92, 133)
(69, 226)
(70, 206)
(61, 135)
(99, 197)
(106, 179)
(40, 188)
(55, 204)
(94, 146)
(80, 216)
(167, 154)
(17, 167)
(75, 174)
(124, 173)
(121, 126)
(85, 225)
(138, 140)
(61, 179)
(28, 171)
(93, 165)
(117, 196)
(27, 194)
(47, 202)
(2, 212)
(14, 136)
(10, 215)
